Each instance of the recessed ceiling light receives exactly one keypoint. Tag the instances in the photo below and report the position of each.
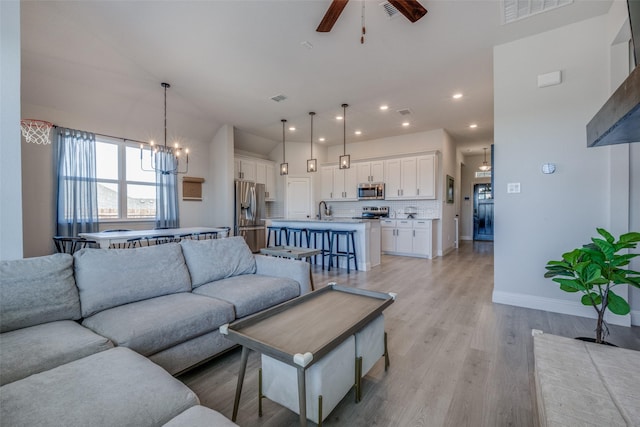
(473, 125)
(338, 117)
(321, 139)
(384, 107)
(405, 124)
(457, 95)
(358, 132)
(292, 128)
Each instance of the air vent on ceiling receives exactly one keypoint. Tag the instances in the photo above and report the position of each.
(278, 98)
(389, 9)
(404, 112)
(515, 10)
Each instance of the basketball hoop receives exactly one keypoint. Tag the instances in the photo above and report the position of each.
(36, 131)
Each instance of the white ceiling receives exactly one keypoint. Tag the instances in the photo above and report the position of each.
(225, 59)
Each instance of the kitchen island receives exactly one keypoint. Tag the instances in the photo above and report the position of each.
(367, 236)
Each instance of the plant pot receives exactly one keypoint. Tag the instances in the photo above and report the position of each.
(593, 340)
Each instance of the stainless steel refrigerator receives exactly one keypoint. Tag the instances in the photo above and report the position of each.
(249, 213)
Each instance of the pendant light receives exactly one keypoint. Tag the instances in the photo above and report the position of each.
(485, 166)
(173, 151)
(284, 166)
(345, 159)
(312, 164)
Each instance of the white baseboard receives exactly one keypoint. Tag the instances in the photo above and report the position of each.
(573, 308)
(635, 317)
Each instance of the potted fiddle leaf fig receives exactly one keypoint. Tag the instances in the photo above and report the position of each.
(595, 270)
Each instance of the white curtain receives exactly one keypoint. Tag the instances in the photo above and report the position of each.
(166, 191)
(77, 198)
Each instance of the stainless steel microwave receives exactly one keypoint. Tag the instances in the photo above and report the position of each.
(371, 191)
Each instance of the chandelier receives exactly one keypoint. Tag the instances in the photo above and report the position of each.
(165, 159)
(485, 166)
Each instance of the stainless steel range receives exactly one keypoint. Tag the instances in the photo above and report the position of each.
(373, 212)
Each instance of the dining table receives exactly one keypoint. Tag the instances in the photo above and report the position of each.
(106, 238)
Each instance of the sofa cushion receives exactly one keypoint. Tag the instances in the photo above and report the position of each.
(156, 324)
(27, 351)
(216, 259)
(251, 293)
(200, 416)
(37, 290)
(111, 277)
(116, 387)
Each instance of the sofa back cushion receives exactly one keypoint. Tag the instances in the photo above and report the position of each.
(108, 278)
(37, 290)
(215, 259)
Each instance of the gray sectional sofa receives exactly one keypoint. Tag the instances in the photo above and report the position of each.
(94, 339)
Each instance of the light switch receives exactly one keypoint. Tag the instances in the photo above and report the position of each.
(513, 187)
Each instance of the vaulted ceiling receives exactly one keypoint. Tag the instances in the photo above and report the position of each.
(225, 59)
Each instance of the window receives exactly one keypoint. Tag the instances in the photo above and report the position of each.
(125, 191)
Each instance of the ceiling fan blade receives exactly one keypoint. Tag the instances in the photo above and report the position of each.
(332, 15)
(411, 9)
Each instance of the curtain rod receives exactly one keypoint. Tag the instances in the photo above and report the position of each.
(115, 137)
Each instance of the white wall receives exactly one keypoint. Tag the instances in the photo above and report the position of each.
(11, 241)
(401, 144)
(553, 213)
(220, 189)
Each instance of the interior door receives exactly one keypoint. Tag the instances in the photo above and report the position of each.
(482, 212)
(298, 198)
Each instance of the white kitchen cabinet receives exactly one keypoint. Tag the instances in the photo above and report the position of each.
(426, 168)
(338, 184)
(407, 237)
(265, 174)
(326, 182)
(411, 177)
(393, 178)
(370, 171)
(244, 169)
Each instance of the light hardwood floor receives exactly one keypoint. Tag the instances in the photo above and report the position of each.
(457, 359)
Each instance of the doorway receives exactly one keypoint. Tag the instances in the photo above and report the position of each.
(482, 212)
(298, 197)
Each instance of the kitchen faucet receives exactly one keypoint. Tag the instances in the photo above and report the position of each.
(320, 208)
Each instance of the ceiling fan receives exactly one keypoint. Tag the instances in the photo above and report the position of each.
(411, 9)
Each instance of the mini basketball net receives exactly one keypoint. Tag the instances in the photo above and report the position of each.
(36, 131)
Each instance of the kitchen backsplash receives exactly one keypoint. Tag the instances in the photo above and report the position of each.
(424, 208)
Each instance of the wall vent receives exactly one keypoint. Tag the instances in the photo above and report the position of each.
(404, 112)
(389, 9)
(278, 98)
(515, 10)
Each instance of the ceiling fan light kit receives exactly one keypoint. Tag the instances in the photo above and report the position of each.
(411, 9)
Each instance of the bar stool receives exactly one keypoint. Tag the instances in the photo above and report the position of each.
(324, 235)
(295, 235)
(278, 233)
(349, 253)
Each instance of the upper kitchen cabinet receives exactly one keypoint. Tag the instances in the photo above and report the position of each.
(244, 168)
(266, 174)
(338, 184)
(370, 171)
(426, 176)
(410, 177)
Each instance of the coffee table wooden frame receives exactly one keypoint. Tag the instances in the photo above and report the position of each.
(289, 332)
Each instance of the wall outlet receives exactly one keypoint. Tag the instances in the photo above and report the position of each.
(513, 187)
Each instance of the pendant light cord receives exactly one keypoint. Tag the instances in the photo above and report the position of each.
(344, 129)
(311, 140)
(283, 152)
